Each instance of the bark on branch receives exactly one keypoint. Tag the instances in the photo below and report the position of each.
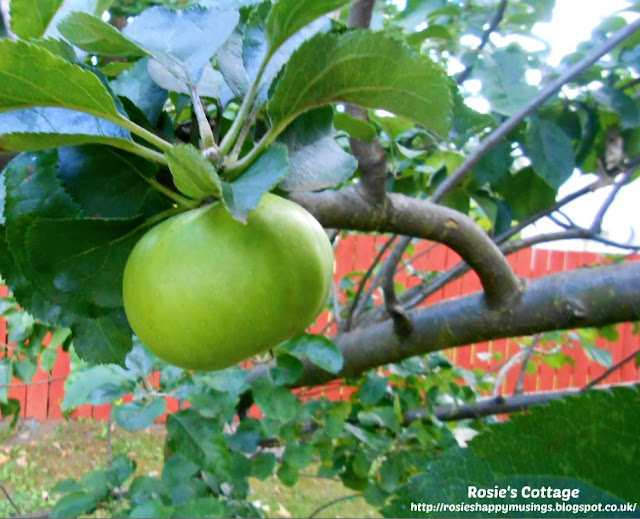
(349, 209)
(585, 297)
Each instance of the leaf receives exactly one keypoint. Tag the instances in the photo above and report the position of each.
(33, 191)
(202, 507)
(494, 165)
(526, 193)
(503, 79)
(373, 389)
(136, 85)
(590, 437)
(73, 505)
(317, 162)
(365, 68)
(550, 150)
(231, 64)
(211, 83)
(255, 50)
(49, 81)
(276, 402)
(318, 349)
(356, 128)
(109, 183)
(39, 128)
(243, 195)
(600, 355)
(287, 17)
(192, 173)
(6, 373)
(86, 274)
(263, 465)
(95, 385)
(30, 19)
(96, 36)
(287, 370)
(200, 441)
(103, 339)
(182, 41)
(57, 47)
(135, 416)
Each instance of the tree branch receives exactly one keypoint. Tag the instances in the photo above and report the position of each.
(581, 298)
(495, 405)
(349, 209)
(510, 124)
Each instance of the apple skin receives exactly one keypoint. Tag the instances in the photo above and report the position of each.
(204, 291)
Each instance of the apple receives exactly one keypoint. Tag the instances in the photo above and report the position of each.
(204, 291)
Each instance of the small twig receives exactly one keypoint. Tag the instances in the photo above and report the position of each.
(525, 360)
(613, 368)
(13, 503)
(332, 502)
(596, 226)
(493, 25)
(364, 279)
(512, 122)
(336, 306)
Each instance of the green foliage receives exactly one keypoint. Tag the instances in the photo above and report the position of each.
(545, 447)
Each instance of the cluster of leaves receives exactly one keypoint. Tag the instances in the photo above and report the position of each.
(364, 441)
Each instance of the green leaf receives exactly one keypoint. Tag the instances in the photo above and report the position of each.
(182, 41)
(73, 505)
(600, 355)
(96, 385)
(494, 165)
(550, 150)
(245, 438)
(365, 68)
(263, 465)
(136, 85)
(109, 183)
(25, 369)
(526, 193)
(256, 48)
(287, 17)
(151, 509)
(32, 191)
(584, 441)
(40, 128)
(231, 64)
(317, 162)
(318, 349)
(102, 339)
(243, 195)
(356, 128)
(373, 389)
(211, 83)
(201, 441)
(557, 360)
(97, 37)
(30, 19)
(86, 274)
(135, 416)
(192, 173)
(49, 81)
(287, 370)
(288, 475)
(503, 79)
(299, 455)
(276, 402)
(57, 47)
(6, 373)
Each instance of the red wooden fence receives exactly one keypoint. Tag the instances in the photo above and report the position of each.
(41, 398)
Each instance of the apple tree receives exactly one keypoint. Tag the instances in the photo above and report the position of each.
(120, 118)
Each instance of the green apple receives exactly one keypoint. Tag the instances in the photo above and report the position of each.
(204, 291)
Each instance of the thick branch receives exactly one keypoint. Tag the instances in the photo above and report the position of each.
(348, 209)
(581, 298)
(510, 124)
(361, 13)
